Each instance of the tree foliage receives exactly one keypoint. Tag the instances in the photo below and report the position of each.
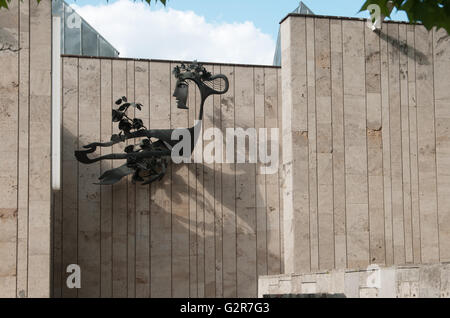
(4, 3)
(431, 13)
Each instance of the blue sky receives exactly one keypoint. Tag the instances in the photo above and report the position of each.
(265, 14)
(228, 31)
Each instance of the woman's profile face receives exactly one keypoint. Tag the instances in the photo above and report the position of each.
(181, 93)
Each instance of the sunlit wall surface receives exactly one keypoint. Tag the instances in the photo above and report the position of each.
(303, 9)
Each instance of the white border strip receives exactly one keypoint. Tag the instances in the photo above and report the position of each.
(56, 103)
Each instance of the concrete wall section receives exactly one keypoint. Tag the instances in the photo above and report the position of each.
(25, 120)
(364, 149)
(415, 281)
(206, 229)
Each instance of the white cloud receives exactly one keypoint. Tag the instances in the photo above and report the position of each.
(140, 32)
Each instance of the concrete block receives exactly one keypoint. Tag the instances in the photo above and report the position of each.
(368, 292)
(351, 284)
(309, 288)
(414, 289)
(408, 274)
(388, 283)
(404, 290)
(285, 286)
(338, 282)
(324, 283)
(429, 284)
(445, 281)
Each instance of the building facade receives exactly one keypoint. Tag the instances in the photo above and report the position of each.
(362, 179)
(365, 137)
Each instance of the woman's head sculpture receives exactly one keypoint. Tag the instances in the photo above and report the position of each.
(148, 158)
(207, 83)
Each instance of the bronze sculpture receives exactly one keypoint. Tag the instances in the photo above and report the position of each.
(148, 160)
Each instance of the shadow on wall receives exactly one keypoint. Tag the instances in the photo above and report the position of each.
(403, 47)
(181, 238)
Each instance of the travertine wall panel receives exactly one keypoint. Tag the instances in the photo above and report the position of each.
(25, 119)
(369, 174)
(205, 230)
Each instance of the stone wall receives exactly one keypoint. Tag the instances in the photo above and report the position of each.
(424, 281)
(366, 150)
(25, 123)
(366, 144)
(205, 230)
